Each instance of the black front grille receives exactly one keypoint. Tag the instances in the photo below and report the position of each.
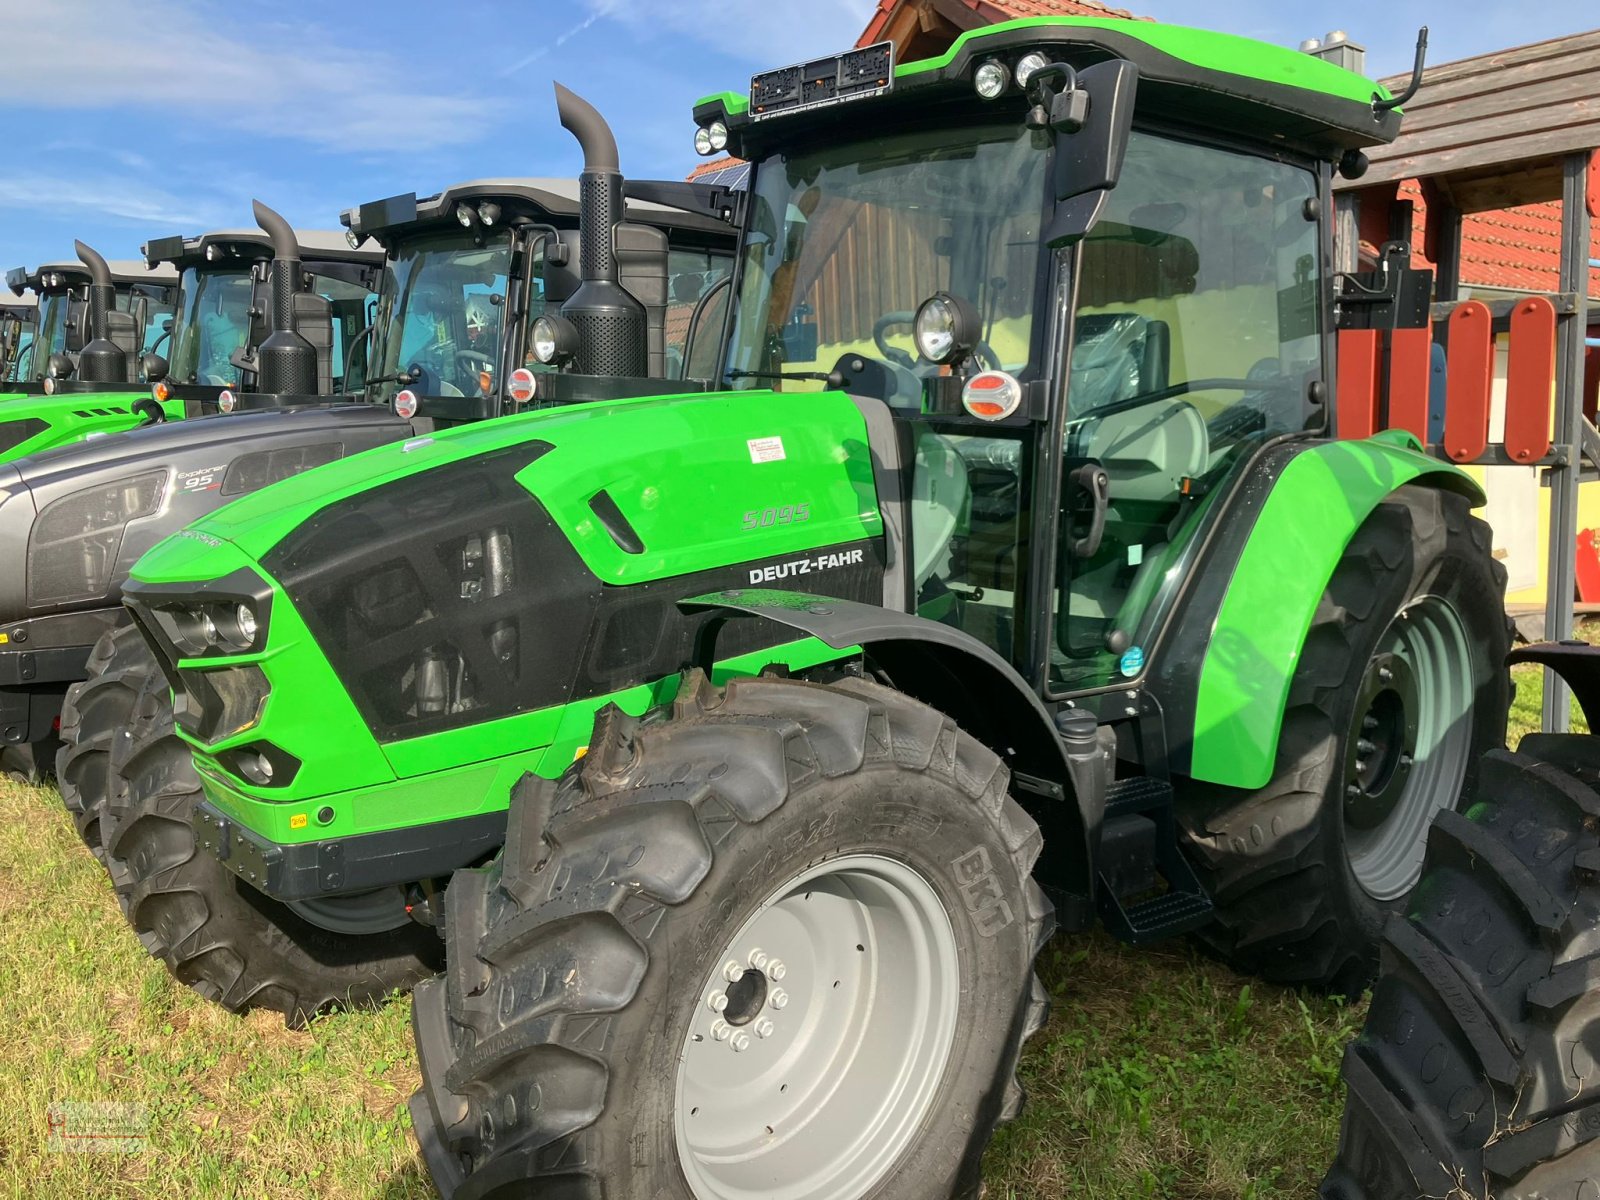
(213, 705)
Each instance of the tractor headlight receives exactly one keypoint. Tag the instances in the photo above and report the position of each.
(245, 620)
(702, 143)
(466, 215)
(355, 239)
(991, 79)
(947, 328)
(717, 132)
(488, 212)
(555, 340)
(1027, 65)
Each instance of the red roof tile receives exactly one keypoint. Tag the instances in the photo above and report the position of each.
(1001, 10)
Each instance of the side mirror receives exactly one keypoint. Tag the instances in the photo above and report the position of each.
(59, 366)
(166, 326)
(154, 367)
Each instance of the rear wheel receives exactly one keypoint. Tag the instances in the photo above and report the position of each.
(1400, 689)
(780, 943)
(93, 718)
(216, 933)
(1478, 1071)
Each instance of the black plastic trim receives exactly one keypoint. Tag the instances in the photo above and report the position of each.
(310, 870)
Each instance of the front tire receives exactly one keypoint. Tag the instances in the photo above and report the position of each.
(1477, 1073)
(1400, 690)
(784, 936)
(93, 717)
(216, 933)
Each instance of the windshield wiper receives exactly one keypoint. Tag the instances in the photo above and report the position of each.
(832, 377)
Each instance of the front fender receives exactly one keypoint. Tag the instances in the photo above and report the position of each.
(1321, 497)
(953, 672)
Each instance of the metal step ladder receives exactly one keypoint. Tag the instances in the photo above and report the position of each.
(1139, 811)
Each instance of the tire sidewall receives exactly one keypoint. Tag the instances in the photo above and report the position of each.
(920, 821)
(1456, 572)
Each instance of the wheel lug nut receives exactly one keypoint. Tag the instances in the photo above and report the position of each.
(1385, 675)
(717, 1001)
(778, 998)
(1405, 760)
(776, 970)
(1352, 791)
(764, 1028)
(721, 1030)
(758, 960)
(732, 971)
(740, 1042)
(1369, 723)
(1364, 747)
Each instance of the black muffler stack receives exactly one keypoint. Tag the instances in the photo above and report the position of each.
(286, 364)
(101, 360)
(612, 332)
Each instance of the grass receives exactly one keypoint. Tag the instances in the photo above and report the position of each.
(1160, 1073)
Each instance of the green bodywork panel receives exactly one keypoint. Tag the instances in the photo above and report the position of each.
(685, 477)
(710, 461)
(1319, 501)
(72, 418)
(1202, 49)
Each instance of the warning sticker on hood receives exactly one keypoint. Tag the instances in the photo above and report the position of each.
(767, 449)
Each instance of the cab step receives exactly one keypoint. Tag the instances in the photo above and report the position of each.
(1138, 853)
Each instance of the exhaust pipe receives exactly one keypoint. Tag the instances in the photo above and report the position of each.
(286, 364)
(101, 360)
(612, 332)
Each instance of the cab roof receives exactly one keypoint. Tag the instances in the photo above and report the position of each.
(250, 245)
(124, 272)
(548, 201)
(1233, 84)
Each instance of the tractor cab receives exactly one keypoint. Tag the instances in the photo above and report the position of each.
(1086, 308)
(225, 315)
(18, 320)
(142, 303)
(472, 270)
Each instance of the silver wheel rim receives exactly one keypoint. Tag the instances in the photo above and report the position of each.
(1429, 659)
(820, 1037)
(361, 914)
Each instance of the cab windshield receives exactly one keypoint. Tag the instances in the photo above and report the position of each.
(49, 338)
(440, 307)
(845, 242)
(213, 324)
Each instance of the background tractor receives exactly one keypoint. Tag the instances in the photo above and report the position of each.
(19, 313)
(494, 250)
(1052, 582)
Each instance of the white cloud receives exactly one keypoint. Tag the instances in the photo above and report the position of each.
(188, 60)
(111, 197)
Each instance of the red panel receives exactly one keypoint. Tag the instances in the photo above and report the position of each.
(1410, 364)
(1588, 562)
(1593, 202)
(1360, 354)
(1530, 379)
(1469, 379)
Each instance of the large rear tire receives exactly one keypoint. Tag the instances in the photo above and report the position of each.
(1400, 689)
(216, 933)
(1478, 1071)
(783, 937)
(94, 716)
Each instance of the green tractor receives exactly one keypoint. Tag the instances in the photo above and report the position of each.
(18, 320)
(1004, 576)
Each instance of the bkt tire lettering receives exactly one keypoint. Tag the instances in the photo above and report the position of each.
(980, 891)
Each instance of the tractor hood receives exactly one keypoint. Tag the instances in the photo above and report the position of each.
(619, 479)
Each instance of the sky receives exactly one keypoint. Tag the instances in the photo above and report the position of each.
(131, 119)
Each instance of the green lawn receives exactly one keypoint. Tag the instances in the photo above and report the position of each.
(1160, 1073)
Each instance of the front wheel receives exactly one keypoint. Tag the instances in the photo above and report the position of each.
(778, 943)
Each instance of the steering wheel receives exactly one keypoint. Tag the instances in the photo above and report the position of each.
(475, 361)
(893, 353)
(983, 352)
